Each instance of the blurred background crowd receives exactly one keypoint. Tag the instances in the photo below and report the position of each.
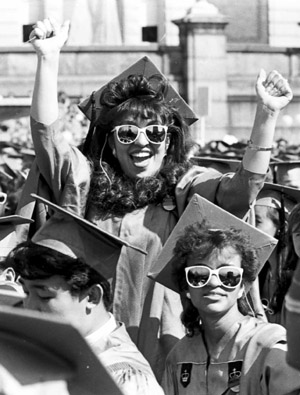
(17, 152)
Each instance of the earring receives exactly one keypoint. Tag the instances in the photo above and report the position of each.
(114, 152)
(188, 295)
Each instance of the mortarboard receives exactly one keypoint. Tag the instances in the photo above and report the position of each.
(8, 237)
(146, 67)
(77, 237)
(271, 195)
(39, 348)
(198, 210)
(27, 152)
(287, 171)
(223, 165)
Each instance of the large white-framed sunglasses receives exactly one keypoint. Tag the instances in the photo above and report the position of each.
(128, 134)
(229, 276)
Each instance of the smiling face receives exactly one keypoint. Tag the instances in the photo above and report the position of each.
(213, 298)
(141, 158)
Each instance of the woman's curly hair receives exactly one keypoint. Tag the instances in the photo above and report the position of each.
(199, 239)
(32, 261)
(290, 262)
(143, 97)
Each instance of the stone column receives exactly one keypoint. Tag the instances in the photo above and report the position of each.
(203, 43)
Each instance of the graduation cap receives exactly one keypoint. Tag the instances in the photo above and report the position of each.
(287, 172)
(271, 195)
(8, 236)
(147, 68)
(39, 348)
(198, 210)
(223, 165)
(77, 237)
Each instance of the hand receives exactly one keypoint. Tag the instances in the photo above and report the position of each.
(48, 36)
(273, 90)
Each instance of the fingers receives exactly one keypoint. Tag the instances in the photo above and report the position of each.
(261, 76)
(276, 85)
(42, 29)
(48, 28)
(65, 28)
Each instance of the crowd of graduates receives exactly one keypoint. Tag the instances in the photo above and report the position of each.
(161, 264)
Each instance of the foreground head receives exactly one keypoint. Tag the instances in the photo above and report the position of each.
(139, 131)
(65, 268)
(59, 284)
(213, 267)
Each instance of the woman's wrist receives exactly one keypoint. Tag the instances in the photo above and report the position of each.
(256, 147)
(267, 110)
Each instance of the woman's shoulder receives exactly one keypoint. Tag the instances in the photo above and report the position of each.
(189, 346)
(265, 333)
(196, 171)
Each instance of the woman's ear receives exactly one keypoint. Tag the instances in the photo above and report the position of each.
(111, 143)
(94, 295)
(167, 142)
(241, 291)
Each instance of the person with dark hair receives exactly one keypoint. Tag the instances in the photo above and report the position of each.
(214, 261)
(132, 176)
(291, 289)
(273, 207)
(63, 276)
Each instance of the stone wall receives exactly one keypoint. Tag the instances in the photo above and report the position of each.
(84, 70)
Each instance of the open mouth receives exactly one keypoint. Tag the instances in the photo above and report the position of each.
(140, 158)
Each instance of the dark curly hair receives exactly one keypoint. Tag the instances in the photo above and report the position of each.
(143, 97)
(290, 262)
(280, 218)
(32, 261)
(201, 240)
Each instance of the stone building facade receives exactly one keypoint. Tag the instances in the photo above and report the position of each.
(210, 50)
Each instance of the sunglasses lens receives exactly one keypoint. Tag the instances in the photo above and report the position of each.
(198, 276)
(127, 134)
(156, 133)
(230, 277)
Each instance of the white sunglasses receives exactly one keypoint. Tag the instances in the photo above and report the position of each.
(128, 134)
(199, 276)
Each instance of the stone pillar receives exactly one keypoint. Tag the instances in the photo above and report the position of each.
(203, 42)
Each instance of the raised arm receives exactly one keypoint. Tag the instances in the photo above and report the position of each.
(238, 193)
(47, 39)
(65, 170)
(273, 94)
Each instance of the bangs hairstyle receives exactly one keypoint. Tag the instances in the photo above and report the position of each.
(32, 261)
(198, 239)
(138, 95)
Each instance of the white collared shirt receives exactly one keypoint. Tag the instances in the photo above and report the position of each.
(103, 331)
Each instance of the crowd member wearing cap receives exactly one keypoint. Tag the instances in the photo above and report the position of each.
(286, 167)
(62, 274)
(272, 210)
(226, 350)
(292, 289)
(134, 178)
